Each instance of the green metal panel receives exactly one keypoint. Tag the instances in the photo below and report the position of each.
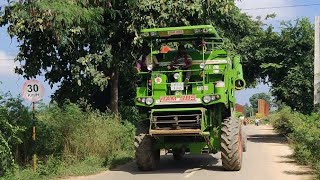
(196, 148)
(210, 28)
(141, 91)
(159, 88)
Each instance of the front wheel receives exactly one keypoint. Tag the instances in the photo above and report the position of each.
(231, 144)
(147, 158)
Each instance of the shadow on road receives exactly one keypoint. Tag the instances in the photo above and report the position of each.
(267, 138)
(290, 159)
(297, 173)
(188, 164)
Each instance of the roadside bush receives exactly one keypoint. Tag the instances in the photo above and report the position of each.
(79, 134)
(306, 139)
(70, 140)
(12, 113)
(6, 159)
(283, 120)
(304, 133)
(130, 113)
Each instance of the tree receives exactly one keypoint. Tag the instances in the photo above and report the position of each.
(292, 77)
(285, 60)
(81, 44)
(254, 100)
(73, 43)
(247, 110)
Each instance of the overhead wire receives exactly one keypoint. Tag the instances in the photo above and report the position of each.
(280, 7)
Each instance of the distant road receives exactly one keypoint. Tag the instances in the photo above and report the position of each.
(267, 158)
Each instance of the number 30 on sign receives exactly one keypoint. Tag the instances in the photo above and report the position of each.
(32, 90)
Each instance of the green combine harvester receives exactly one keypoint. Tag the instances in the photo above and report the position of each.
(193, 116)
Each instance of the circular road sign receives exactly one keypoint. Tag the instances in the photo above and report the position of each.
(32, 90)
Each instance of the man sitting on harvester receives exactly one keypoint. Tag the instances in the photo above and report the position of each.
(182, 61)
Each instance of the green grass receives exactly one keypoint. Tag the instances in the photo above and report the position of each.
(54, 168)
(90, 165)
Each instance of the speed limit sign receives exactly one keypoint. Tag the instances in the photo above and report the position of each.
(32, 90)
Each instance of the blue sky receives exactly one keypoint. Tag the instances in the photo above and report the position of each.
(8, 47)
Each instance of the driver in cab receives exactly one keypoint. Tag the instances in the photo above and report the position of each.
(183, 61)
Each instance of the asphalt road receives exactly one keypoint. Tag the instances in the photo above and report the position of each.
(267, 158)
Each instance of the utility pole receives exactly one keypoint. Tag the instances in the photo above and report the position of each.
(316, 99)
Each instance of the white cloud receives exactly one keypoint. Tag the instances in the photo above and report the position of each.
(282, 13)
(7, 64)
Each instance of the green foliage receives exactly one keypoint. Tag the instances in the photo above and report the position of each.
(69, 139)
(60, 38)
(55, 167)
(283, 120)
(80, 43)
(130, 113)
(303, 130)
(238, 114)
(254, 100)
(5, 156)
(247, 110)
(79, 133)
(282, 59)
(12, 115)
(19, 174)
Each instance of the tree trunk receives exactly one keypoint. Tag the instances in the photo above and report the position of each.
(114, 105)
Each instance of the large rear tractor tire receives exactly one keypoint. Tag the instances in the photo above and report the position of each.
(231, 144)
(147, 157)
(244, 141)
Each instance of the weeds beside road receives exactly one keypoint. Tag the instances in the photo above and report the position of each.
(304, 134)
(70, 140)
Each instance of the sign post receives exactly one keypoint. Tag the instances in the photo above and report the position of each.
(33, 92)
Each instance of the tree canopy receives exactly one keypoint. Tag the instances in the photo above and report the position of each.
(285, 61)
(88, 47)
(80, 45)
(254, 100)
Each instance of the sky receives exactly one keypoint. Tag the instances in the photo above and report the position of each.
(8, 47)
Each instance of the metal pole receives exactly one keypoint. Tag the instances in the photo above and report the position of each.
(34, 137)
(316, 99)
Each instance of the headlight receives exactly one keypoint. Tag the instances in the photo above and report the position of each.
(217, 97)
(141, 100)
(149, 101)
(209, 98)
(149, 67)
(176, 75)
(206, 99)
(202, 65)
